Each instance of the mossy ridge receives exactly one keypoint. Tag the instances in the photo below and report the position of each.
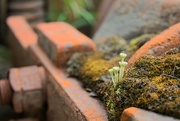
(152, 83)
(138, 87)
(109, 48)
(78, 59)
(113, 45)
(90, 67)
(137, 42)
(110, 43)
(154, 66)
(92, 70)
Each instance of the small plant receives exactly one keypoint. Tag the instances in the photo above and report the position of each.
(117, 73)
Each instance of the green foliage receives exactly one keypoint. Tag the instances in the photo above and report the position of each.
(79, 13)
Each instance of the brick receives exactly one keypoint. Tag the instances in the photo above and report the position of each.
(5, 92)
(26, 78)
(25, 119)
(160, 44)
(19, 36)
(3, 15)
(22, 31)
(32, 11)
(25, 5)
(30, 15)
(17, 102)
(28, 84)
(14, 80)
(131, 18)
(67, 100)
(60, 40)
(136, 114)
(72, 102)
(33, 101)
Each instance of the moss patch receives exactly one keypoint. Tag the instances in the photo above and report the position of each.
(152, 83)
(149, 66)
(137, 42)
(91, 68)
(112, 43)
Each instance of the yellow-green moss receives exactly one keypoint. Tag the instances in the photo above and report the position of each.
(137, 42)
(92, 70)
(112, 43)
(153, 66)
(90, 67)
(152, 83)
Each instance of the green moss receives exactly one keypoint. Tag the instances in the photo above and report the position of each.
(112, 43)
(153, 66)
(137, 42)
(94, 69)
(91, 67)
(152, 83)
